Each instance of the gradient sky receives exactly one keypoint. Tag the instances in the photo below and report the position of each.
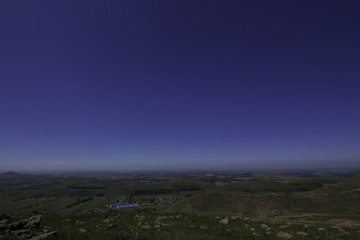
(132, 85)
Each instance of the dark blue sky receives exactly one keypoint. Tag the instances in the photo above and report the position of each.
(119, 85)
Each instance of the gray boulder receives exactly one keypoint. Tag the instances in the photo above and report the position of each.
(44, 235)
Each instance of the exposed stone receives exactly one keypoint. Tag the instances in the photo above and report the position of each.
(47, 229)
(343, 231)
(24, 227)
(44, 235)
(112, 226)
(33, 223)
(82, 230)
(301, 233)
(263, 225)
(284, 235)
(224, 221)
(21, 232)
(141, 217)
(4, 221)
(146, 227)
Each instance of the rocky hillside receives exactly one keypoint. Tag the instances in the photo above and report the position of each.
(132, 224)
(25, 228)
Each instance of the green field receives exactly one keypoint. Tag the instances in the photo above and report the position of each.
(190, 205)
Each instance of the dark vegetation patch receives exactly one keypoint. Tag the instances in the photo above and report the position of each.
(79, 201)
(84, 187)
(153, 191)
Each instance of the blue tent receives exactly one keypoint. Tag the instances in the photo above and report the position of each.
(127, 206)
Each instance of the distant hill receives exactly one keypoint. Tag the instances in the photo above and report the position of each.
(10, 173)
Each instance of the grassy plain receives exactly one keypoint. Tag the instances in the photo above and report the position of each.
(189, 205)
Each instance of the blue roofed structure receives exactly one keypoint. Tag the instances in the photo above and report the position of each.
(123, 206)
(127, 206)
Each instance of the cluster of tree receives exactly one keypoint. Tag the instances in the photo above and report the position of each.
(84, 187)
(154, 191)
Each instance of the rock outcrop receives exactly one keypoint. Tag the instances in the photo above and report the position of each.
(24, 228)
(224, 221)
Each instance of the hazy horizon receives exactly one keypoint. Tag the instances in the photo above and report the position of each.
(258, 166)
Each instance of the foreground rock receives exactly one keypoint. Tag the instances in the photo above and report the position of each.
(25, 228)
(44, 235)
(284, 235)
(224, 221)
(29, 224)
